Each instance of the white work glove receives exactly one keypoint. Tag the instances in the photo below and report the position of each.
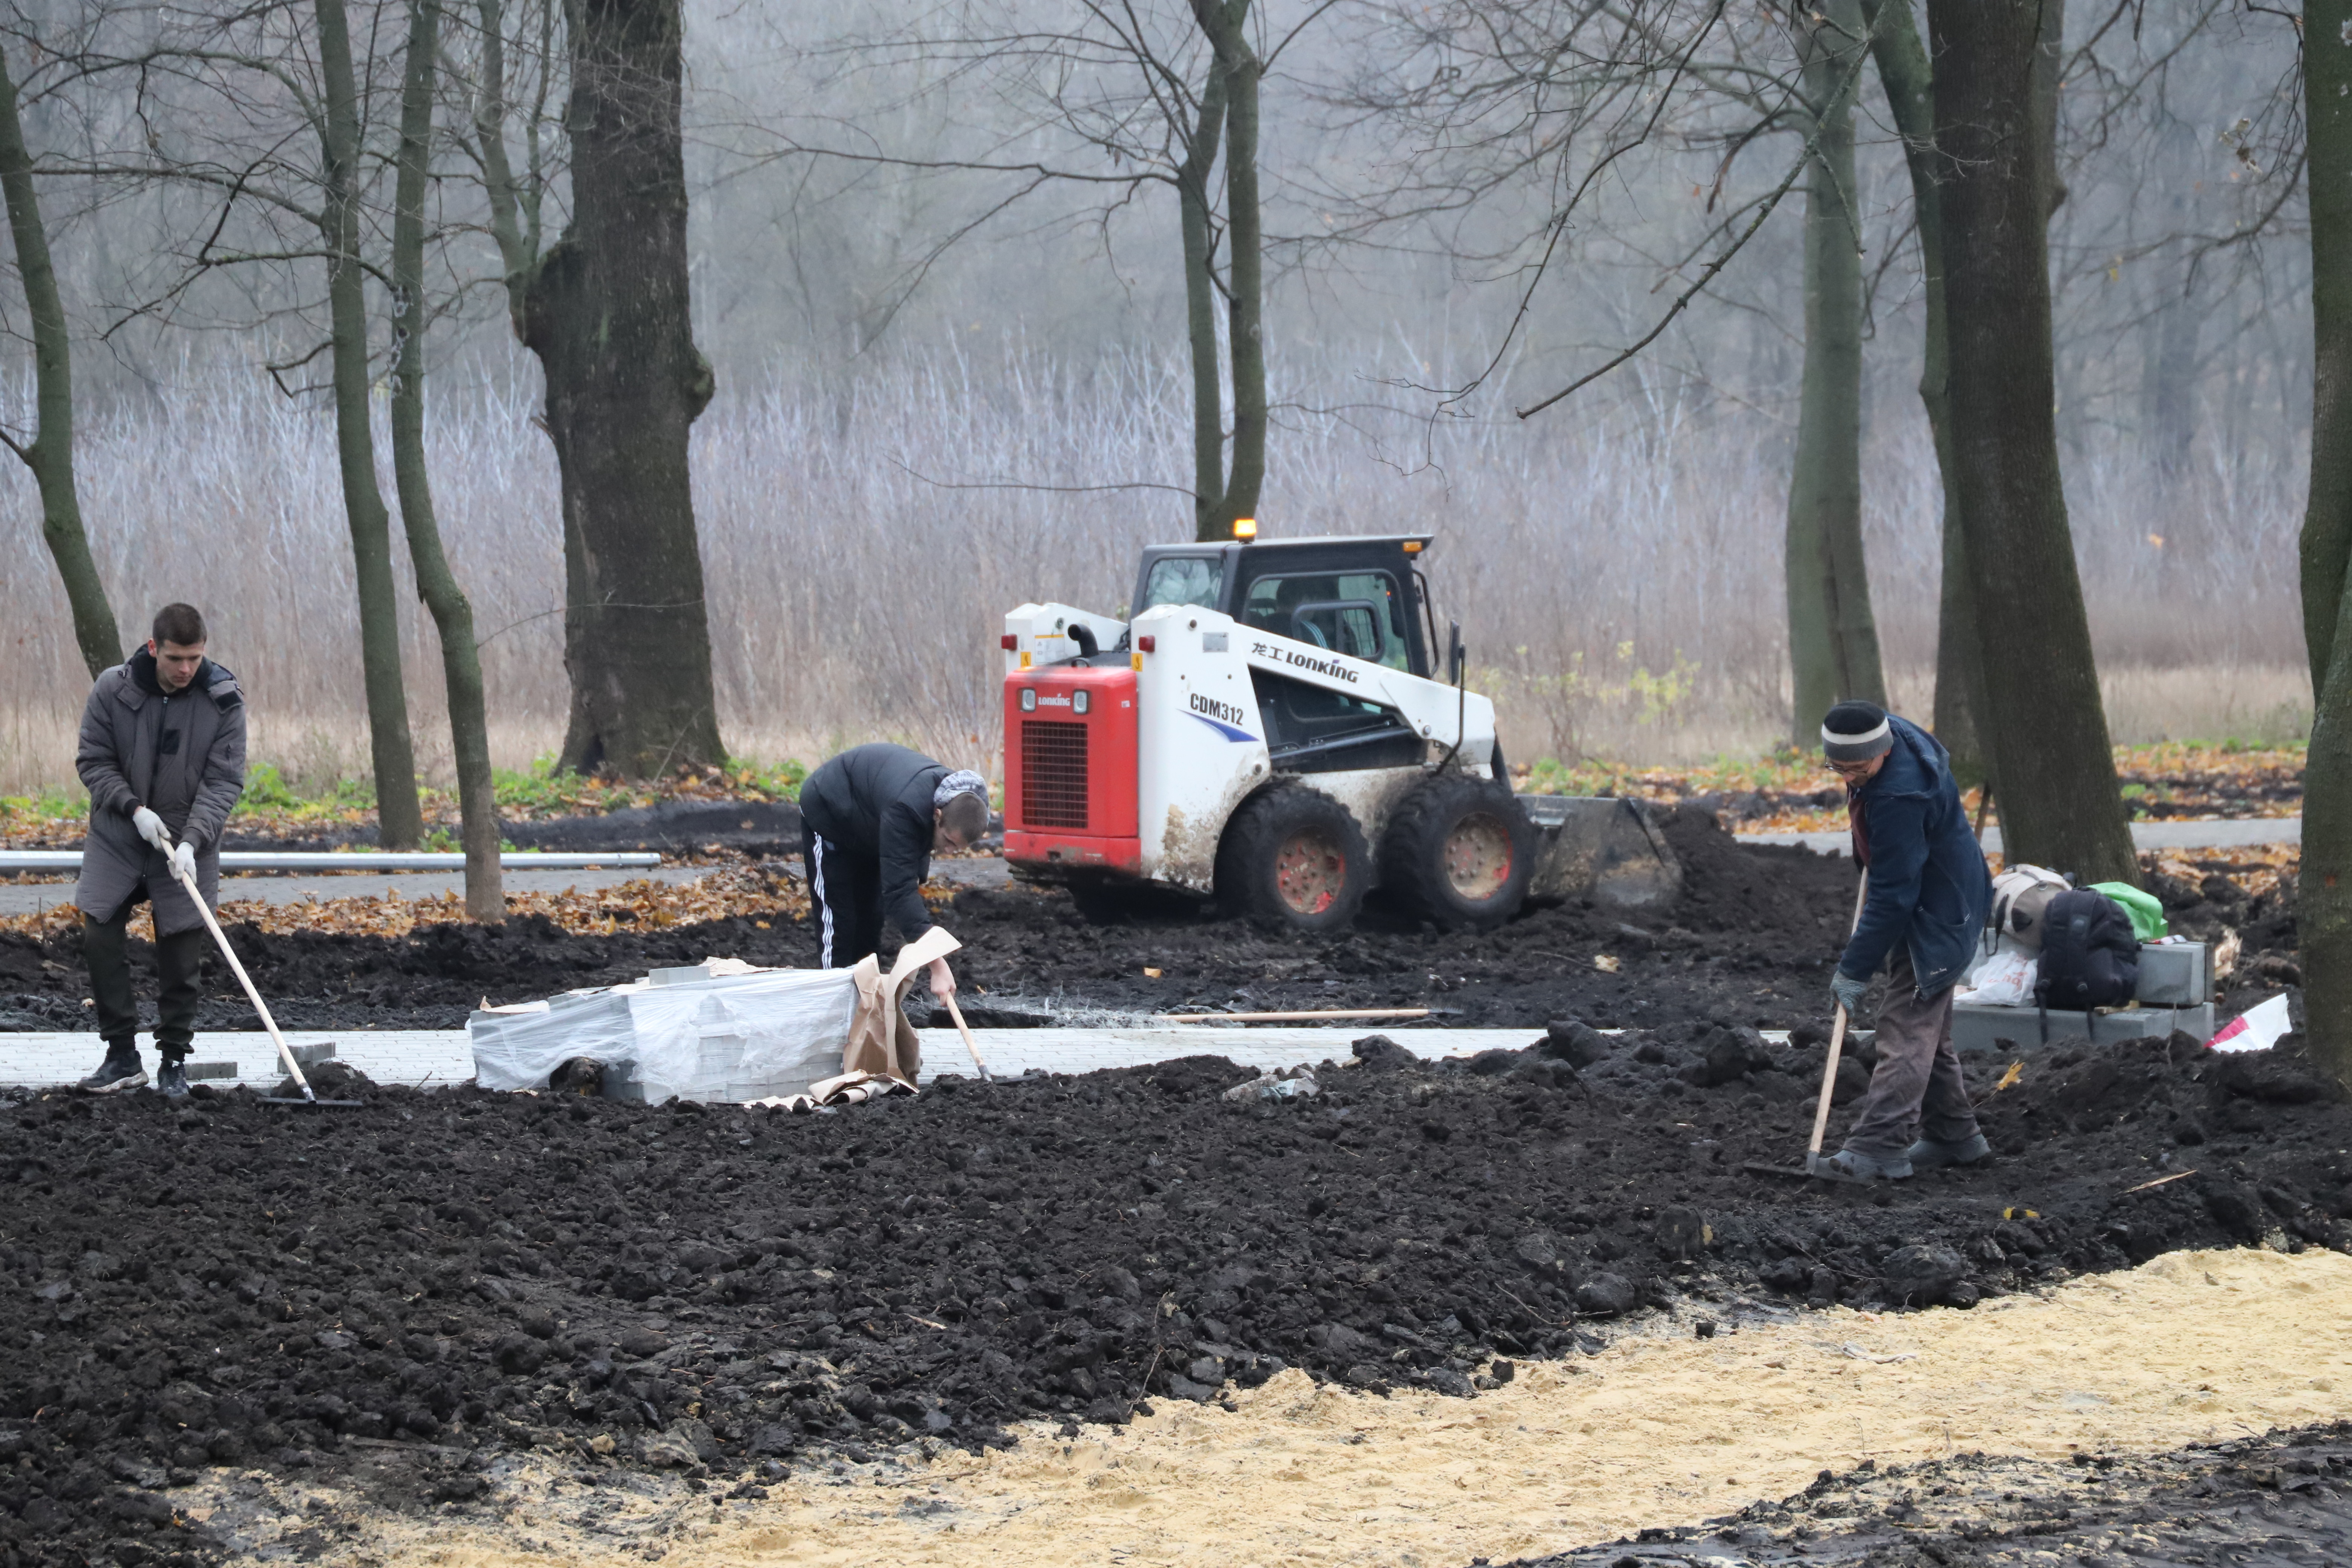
(942, 979)
(150, 828)
(184, 860)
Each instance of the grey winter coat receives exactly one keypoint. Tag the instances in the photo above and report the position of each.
(183, 757)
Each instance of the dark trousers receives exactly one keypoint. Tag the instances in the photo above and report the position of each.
(846, 899)
(106, 947)
(1918, 1083)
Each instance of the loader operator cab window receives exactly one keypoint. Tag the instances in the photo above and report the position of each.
(1359, 614)
(1194, 580)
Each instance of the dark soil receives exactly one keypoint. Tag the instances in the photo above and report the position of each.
(238, 1283)
(2261, 1502)
(1750, 940)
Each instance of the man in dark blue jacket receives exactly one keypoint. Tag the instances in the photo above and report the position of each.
(869, 821)
(1929, 895)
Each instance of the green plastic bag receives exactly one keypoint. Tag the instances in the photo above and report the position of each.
(2147, 913)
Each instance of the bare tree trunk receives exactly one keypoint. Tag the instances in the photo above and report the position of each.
(400, 819)
(515, 205)
(1832, 636)
(2324, 887)
(606, 311)
(1905, 73)
(49, 454)
(1246, 331)
(1201, 313)
(453, 614)
(1237, 64)
(2060, 803)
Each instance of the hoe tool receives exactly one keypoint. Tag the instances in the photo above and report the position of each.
(1829, 1071)
(285, 1052)
(969, 1043)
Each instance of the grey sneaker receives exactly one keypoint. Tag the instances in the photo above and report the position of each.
(119, 1071)
(1929, 1156)
(172, 1078)
(1852, 1165)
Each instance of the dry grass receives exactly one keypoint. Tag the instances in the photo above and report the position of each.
(1618, 578)
(2209, 701)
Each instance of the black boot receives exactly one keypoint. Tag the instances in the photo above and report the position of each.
(119, 1071)
(171, 1078)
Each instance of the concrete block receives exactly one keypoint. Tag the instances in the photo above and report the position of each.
(1975, 1026)
(313, 1055)
(211, 1069)
(2175, 974)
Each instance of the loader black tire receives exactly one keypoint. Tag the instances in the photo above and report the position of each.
(1458, 853)
(1293, 859)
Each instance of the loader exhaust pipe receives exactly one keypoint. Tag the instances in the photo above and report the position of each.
(1457, 663)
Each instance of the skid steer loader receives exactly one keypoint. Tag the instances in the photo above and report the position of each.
(1270, 728)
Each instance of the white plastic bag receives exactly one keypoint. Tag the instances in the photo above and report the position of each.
(2004, 980)
(2255, 1029)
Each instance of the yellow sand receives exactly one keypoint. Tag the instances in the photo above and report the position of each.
(1654, 1431)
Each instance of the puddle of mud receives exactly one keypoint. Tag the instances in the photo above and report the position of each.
(2195, 1347)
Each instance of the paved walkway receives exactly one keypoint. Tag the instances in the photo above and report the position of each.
(438, 1058)
(30, 898)
(2186, 832)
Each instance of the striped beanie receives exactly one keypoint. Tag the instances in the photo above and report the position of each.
(1855, 733)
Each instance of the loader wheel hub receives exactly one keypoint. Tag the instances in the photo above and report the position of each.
(1309, 871)
(1479, 857)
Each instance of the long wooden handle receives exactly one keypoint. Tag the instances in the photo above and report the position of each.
(1837, 1039)
(285, 1052)
(965, 1030)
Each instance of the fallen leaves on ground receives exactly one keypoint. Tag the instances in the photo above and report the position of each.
(55, 820)
(1793, 792)
(722, 894)
(2257, 870)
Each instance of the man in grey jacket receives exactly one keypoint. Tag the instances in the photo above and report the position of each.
(162, 755)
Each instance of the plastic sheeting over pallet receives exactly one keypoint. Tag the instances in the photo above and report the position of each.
(719, 1030)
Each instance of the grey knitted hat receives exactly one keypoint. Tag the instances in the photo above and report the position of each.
(1855, 733)
(963, 781)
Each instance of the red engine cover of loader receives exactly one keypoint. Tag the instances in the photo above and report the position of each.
(1069, 768)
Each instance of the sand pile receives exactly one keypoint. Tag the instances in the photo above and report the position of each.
(1651, 1432)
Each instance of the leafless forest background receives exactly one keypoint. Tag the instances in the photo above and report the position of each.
(910, 436)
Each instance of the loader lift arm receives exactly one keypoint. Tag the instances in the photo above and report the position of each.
(1427, 710)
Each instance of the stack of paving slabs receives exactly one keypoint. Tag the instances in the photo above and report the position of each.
(717, 1031)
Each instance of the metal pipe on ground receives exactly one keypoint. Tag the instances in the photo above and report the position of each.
(353, 860)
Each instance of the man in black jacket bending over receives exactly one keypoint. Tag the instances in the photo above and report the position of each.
(869, 821)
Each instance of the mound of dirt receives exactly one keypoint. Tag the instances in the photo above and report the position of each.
(328, 1080)
(232, 1283)
(2277, 1500)
(1746, 888)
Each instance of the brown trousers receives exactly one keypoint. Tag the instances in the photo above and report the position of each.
(1917, 1087)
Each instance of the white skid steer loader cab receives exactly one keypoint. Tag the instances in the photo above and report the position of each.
(1272, 728)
